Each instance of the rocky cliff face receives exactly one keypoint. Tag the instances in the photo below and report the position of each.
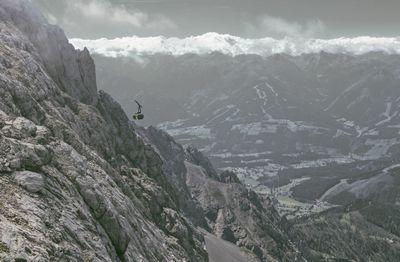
(80, 182)
(77, 184)
(240, 216)
(227, 208)
(73, 71)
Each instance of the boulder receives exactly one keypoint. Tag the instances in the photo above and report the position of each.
(31, 181)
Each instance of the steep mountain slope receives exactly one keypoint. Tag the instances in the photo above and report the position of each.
(230, 210)
(348, 236)
(80, 182)
(77, 183)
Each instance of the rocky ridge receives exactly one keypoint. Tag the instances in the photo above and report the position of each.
(229, 210)
(77, 184)
(80, 182)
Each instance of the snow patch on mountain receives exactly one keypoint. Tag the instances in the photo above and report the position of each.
(232, 45)
(201, 132)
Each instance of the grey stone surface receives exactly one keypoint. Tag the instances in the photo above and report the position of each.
(231, 212)
(31, 181)
(77, 183)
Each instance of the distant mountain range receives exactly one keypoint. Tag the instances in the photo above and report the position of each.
(322, 118)
(320, 132)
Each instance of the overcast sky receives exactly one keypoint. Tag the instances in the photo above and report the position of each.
(92, 19)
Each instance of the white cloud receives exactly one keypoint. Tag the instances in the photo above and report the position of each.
(279, 27)
(232, 45)
(51, 18)
(110, 13)
(283, 27)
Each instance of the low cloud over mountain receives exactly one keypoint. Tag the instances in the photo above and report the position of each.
(232, 45)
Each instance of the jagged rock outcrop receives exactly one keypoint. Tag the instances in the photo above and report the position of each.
(230, 210)
(194, 156)
(73, 71)
(173, 156)
(239, 215)
(77, 184)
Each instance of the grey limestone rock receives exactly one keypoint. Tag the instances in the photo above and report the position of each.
(77, 183)
(31, 181)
